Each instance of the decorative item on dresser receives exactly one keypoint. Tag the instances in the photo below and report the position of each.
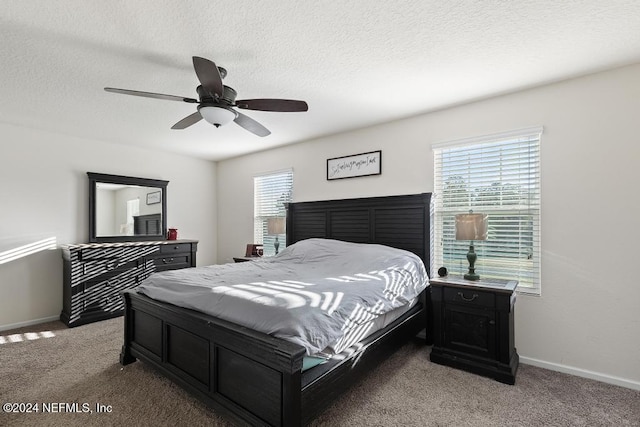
(473, 326)
(96, 273)
(172, 234)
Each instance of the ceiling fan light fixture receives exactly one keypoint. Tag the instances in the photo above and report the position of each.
(215, 101)
(216, 115)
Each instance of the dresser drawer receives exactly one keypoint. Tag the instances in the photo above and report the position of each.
(469, 297)
(100, 253)
(103, 295)
(175, 248)
(122, 254)
(107, 303)
(92, 269)
(172, 262)
(114, 284)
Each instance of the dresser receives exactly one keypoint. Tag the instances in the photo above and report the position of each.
(473, 326)
(96, 273)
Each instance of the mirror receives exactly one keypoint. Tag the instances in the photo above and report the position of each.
(125, 208)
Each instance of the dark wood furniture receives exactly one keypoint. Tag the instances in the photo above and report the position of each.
(147, 225)
(257, 379)
(96, 273)
(245, 258)
(103, 211)
(473, 326)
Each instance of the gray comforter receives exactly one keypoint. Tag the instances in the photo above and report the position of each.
(312, 293)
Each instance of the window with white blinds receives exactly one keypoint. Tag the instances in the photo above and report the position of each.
(270, 194)
(498, 175)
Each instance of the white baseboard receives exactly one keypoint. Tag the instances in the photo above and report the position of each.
(28, 323)
(622, 382)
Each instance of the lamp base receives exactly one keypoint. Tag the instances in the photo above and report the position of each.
(471, 257)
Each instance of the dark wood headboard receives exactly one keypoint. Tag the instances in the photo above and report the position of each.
(401, 222)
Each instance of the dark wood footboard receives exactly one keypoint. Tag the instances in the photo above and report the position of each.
(247, 375)
(251, 377)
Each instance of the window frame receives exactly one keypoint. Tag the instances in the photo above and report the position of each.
(519, 215)
(285, 196)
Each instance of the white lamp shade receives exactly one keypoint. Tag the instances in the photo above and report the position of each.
(471, 226)
(217, 116)
(275, 225)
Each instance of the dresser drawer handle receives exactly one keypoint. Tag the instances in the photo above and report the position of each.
(167, 262)
(473, 298)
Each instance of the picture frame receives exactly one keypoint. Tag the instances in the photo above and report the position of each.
(355, 165)
(254, 250)
(153, 198)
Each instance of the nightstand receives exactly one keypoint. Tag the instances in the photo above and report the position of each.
(473, 326)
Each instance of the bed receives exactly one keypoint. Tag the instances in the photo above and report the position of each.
(255, 378)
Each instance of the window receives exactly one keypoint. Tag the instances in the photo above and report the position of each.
(498, 175)
(271, 193)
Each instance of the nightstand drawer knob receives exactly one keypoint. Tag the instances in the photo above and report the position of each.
(473, 298)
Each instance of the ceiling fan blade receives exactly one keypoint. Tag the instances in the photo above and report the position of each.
(191, 119)
(151, 95)
(283, 105)
(209, 76)
(251, 125)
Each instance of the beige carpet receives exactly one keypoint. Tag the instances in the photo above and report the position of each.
(81, 365)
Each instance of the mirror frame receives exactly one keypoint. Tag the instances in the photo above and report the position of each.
(95, 178)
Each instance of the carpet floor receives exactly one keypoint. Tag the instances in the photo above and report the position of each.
(52, 365)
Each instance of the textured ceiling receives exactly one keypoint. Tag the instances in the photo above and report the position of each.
(356, 63)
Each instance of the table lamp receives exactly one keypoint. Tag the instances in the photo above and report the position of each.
(471, 226)
(275, 226)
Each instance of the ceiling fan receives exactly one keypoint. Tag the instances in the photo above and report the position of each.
(216, 101)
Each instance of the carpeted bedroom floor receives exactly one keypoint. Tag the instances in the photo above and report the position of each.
(50, 363)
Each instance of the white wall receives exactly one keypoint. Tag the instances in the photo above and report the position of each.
(588, 317)
(44, 193)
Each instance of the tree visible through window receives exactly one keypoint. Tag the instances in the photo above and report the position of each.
(271, 194)
(498, 175)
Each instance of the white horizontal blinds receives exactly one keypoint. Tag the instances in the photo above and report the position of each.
(500, 176)
(271, 193)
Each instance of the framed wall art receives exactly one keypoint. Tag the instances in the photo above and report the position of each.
(153, 198)
(363, 164)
